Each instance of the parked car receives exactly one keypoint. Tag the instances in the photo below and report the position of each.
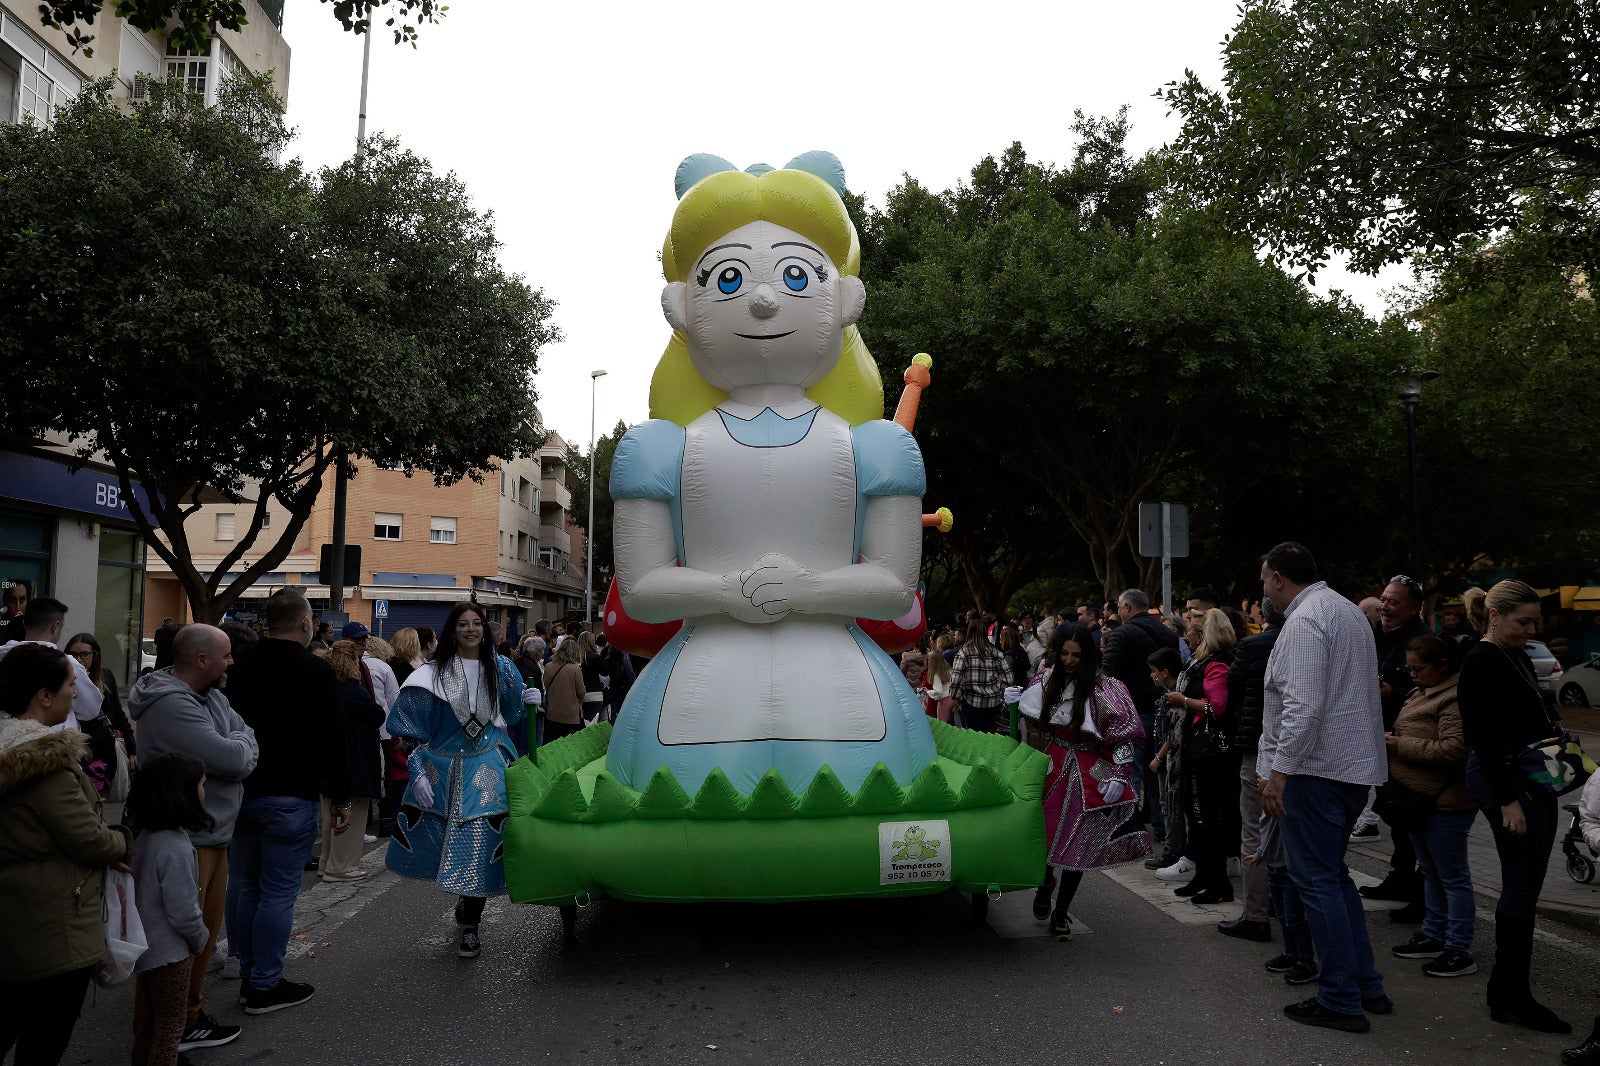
(1546, 666)
(1580, 684)
(147, 655)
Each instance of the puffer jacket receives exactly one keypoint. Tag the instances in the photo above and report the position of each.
(1246, 684)
(53, 854)
(1432, 752)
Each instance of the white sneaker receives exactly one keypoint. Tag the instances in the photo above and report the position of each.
(1235, 867)
(1181, 870)
(230, 968)
(358, 874)
(368, 838)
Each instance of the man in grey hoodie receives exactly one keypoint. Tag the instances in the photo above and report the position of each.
(182, 708)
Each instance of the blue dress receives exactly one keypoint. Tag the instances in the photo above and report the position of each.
(810, 690)
(463, 750)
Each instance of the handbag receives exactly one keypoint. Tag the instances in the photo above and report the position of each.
(1557, 765)
(1207, 737)
(125, 939)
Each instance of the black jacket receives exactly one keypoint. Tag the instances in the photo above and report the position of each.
(1247, 682)
(362, 717)
(291, 699)
(1127, 649)
(1392, 665)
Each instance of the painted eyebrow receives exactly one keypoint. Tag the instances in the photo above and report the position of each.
(797, 244)
(719, 247)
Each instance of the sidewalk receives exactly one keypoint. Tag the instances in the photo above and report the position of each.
(1563, 899)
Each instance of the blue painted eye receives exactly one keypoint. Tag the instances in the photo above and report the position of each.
(795, 276)
(729, 280)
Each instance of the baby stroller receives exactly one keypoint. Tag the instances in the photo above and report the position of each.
(1580, 859)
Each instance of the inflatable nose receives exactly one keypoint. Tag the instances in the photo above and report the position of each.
(764, 304)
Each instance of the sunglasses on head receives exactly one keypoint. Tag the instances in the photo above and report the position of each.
(1408, 582)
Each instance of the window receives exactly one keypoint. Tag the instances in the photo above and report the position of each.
(188, 66)
(225, 526)
(441, 530)
(385, 527)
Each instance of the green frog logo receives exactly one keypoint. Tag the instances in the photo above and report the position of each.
(916, 846)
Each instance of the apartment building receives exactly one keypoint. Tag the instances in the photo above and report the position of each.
(63, 532)
(509, 542)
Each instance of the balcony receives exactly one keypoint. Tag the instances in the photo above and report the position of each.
(554, 536)
(554, 493)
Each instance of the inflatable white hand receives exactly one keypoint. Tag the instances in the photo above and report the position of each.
(1111, 790)
(422, 789)
(773, 586)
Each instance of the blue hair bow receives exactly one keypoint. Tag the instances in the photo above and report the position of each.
(702, 165)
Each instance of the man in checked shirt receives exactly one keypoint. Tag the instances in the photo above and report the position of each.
(1321, 749)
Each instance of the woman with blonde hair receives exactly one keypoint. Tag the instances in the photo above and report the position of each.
(406, 654)
(339, 854)
(1210, 789)
(594, 679)
(564, 690)
(936, 682)
(1502, 712)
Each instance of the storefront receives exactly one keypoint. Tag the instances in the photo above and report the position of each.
(68, 534)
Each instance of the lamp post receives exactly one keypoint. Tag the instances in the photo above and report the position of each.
(588, 533)
(336, 577)
(1411, 396)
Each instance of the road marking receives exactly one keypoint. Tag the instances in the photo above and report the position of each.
(1158, 893)
(326, 905)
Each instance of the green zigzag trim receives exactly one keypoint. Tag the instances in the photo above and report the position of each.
(546, 785)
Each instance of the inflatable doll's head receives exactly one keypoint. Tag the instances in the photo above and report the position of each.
(762, 287)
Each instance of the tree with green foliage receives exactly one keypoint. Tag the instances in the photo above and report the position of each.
(215, 324)
(194, 21)
(1095, 346)
(1387, 127)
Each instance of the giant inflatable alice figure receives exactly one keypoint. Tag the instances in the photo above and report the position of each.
(766, 516)
(770, 749)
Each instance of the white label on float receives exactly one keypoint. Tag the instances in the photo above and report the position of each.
(913, 851)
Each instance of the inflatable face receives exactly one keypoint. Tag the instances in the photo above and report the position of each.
(760, 516)
(764, 305)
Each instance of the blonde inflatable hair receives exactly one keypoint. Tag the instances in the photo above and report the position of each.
(798, 199)
(1504, 597)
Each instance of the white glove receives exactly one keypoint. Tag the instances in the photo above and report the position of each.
(605, 680)
(1014, 694)
(532, 697)
(422, 790)
(1111, 790)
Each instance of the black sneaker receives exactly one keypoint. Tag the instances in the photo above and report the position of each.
(281, 995)
(1312, 1012)
(1419, 947)
(206, 1031)
(1281, 963)
(1378, 1004)
(469, 947)
(1452, 963)
(1061, 927)
(1364, 832)
(1304, 973)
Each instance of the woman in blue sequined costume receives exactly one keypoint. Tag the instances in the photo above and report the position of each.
(457, 709)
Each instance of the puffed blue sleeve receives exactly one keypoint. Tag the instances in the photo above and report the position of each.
(648, 464)
(512, 708)
(888, 461)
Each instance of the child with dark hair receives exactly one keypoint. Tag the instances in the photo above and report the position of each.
(166, 803)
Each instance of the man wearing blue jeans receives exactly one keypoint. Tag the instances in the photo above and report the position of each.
(291, 700)
(1321, 749)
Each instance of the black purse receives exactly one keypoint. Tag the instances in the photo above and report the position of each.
(1207, 738)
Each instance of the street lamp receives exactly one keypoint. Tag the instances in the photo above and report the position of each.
(1411, 396)
(588, 538)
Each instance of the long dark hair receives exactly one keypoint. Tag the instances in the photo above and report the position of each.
(96, 668)
(1084, 680)
(166, 795)
(446, 650)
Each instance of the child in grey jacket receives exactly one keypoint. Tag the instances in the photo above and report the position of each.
(167, 804)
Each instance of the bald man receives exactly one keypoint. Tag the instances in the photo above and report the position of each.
(182, 708)
(1372, 607)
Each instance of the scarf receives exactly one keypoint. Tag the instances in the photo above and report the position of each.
(453, 684)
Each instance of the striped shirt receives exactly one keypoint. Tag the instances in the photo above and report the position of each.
(1323, 716)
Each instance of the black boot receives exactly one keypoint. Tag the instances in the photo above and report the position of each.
(1041, 898)
(1586, 1053)
(1510, 995)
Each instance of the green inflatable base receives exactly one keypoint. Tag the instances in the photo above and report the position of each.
(972, 820)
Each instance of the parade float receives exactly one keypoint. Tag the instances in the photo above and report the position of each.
(767, 540)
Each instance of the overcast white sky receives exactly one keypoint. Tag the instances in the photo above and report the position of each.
(568, 120)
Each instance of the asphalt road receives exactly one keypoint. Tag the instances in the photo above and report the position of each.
(895, 981)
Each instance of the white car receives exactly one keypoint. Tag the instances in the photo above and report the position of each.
(1546, 666)
(1580, 684)
(147, 655)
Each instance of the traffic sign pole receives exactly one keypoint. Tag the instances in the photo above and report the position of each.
(1166, 560)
